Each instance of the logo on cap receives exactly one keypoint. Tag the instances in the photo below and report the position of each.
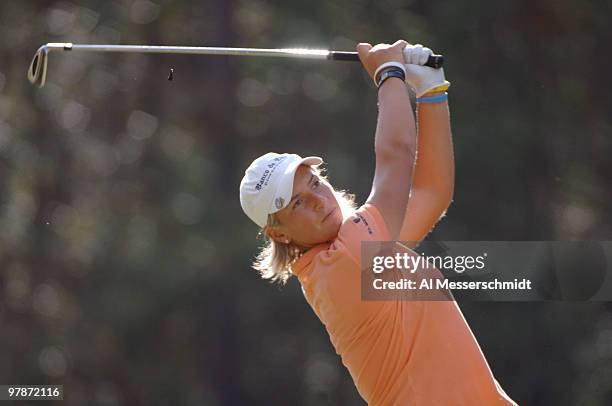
(279, 202)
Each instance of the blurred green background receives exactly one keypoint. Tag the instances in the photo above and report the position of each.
(124, 253)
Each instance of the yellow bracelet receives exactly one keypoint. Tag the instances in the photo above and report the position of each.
(441, 88)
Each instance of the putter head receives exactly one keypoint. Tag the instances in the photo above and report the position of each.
(37, 73)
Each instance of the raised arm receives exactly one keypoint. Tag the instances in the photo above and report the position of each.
(395, 139)
(434, 174)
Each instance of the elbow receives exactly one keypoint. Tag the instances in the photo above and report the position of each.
(441, 196)
(441, 201)
(397, 148)
(445, 191)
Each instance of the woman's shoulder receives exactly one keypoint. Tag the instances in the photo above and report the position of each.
(364, 224)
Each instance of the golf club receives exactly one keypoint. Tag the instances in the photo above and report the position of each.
(37, 73)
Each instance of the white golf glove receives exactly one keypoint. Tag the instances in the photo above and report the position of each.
(422, 78)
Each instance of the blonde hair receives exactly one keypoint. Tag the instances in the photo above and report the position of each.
(274, 260)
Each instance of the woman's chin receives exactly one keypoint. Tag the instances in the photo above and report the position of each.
(334, 228)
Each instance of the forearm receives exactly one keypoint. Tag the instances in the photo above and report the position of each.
(395, 129)
(435, 166)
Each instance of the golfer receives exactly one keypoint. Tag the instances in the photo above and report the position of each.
(398, 352)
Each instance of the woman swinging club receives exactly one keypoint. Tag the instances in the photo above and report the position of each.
(397, 352)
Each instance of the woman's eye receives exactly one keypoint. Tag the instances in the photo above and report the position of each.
(315, 183)
(297, 203)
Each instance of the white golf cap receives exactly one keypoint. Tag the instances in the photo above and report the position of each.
(267, 185)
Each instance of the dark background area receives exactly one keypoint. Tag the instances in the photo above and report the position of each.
(124, 253)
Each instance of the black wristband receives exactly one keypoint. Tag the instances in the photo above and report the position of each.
(390, 72)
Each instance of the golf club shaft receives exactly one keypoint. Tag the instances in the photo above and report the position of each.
(37, 71)
(434, 61)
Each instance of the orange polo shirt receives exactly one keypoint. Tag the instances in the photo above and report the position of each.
(397, 352)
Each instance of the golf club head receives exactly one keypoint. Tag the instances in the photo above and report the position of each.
(37, 73)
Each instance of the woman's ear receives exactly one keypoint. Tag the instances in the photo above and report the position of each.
(277, 235)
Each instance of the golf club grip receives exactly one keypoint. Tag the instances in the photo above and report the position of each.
(434, 61)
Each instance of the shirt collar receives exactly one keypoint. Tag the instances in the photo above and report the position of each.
(304, 261)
